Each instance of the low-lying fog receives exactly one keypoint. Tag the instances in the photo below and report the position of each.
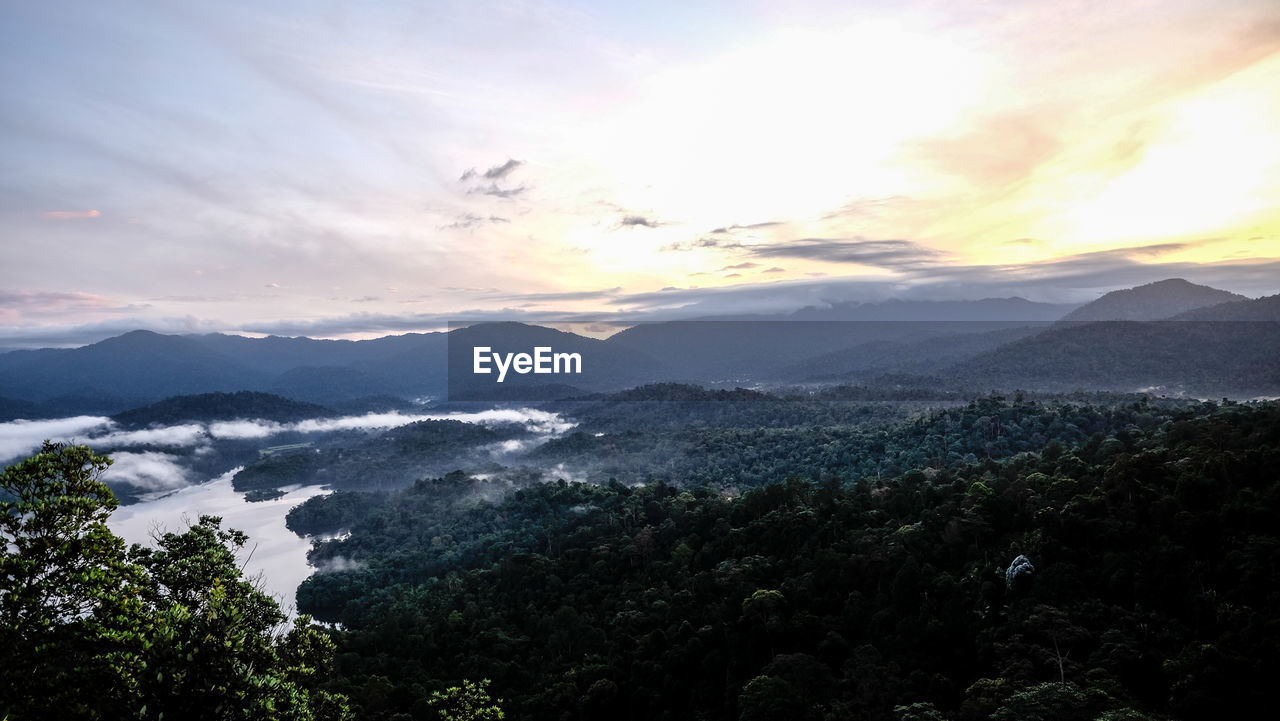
(275, 554)
(157, 471)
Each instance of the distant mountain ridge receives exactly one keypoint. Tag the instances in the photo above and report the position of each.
(1261, 309)
(986, 309)
(956, 344)
(1154, 301)
(137, 365)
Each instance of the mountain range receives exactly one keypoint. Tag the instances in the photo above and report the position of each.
(1191, 339)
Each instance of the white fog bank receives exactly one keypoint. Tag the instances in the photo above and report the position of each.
(22, 437)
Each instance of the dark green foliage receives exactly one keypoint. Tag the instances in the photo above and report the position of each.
(390, 459)
(88, 631)
(70, 613)
(262, 494)
(1153, 531)
(216, 649)
(468, 702)
(331, 513)
(737, 444)
(1197, 357)
(221, 407)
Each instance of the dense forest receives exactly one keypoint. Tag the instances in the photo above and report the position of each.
(828, 555)
(221, 407)
(739, 439)
(358, 460)
(90, 629)
(1063, 560)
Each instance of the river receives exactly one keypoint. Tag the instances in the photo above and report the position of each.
(275, 556)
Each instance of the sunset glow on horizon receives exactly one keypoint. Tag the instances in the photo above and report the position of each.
(361, 170)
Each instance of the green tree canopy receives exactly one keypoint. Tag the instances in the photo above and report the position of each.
(90, 630)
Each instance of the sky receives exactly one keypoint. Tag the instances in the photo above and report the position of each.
(356, 169)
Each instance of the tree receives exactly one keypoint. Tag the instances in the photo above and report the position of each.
(71, 620)
(1045, 702)
(90, 631)
(468, 702)
(217, 649)
(918, 711)
(767, 697)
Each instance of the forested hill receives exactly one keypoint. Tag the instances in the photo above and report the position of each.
(1153, 301)
(1201, 358)
(221, 407)
(1128, 574)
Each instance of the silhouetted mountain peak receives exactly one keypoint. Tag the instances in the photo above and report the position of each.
(1153, 301)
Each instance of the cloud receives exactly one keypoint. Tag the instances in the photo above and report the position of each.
(149, 470)
(1023, 243)
(1070, 279)
(55, 302)
(466, 221)
(370, 421)
(364, 323)
(563, 296)
(493, 175)
(891, 254)
(501, 171)
(724, 244)
(1026, 141)
(251, 429)
(771, 297)
(497, 192)
(632, 221)
(63, 336)
(752, 226)
(180, 436)
(70, 214)
(534, 420)
(497, 172)
(243, 430)
(22, 437)
(874, 208)
(338, 564)
(1084, 275)
(741, 266)
(168, 173)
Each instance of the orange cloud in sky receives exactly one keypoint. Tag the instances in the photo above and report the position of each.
(70, 214)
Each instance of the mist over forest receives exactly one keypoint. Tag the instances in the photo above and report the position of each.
(828, 531)
(564, 361)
